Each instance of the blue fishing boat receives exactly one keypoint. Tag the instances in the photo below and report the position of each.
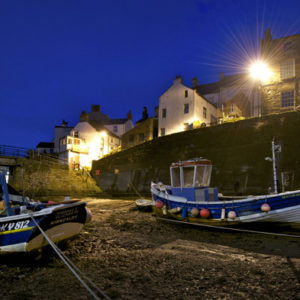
(190, 198)
(22, 221)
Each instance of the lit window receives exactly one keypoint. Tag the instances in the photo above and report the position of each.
(287, 69)
(204, 112)
(186, 108)
(164, 112)
(115, 129)
(287, 99)
(162, 131)
(186, 93)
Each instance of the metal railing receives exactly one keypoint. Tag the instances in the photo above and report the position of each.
(12, 151)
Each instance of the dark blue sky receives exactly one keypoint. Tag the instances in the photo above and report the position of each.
(59, 57)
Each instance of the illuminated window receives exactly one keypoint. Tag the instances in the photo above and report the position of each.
(287, 99)
(164, 112)
(162, 131)
(204, 112)
(186, 93)
(287, 69)
(186, 108)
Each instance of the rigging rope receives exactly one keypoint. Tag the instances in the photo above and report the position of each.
(229, 228)
(71, 266)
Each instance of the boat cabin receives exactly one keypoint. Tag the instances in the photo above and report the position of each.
(191, 179)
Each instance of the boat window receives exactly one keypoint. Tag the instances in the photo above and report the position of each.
(207, 174)
(188, 176)
(175, 173)
(199, 176)
(203, 173)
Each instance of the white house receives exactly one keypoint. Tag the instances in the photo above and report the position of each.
(119, 126)
(180, 107)
(86, 142)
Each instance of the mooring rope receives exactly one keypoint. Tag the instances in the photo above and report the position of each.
(70, 265)
(229, 228)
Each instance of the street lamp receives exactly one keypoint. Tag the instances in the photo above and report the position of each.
(260, 71)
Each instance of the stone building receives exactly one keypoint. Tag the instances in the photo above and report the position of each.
(145, 130)
(281, 91)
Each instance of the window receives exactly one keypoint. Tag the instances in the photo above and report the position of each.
(162, 131)
(76, 134)
(287, 69)
(164, 112)
(131, 138)
(287, 99)
(186, 93)
(141, 137)
(204, 112)
(186, 108)
(70, 141)
(115, 128)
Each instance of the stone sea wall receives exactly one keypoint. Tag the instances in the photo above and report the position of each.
(237, 151)
(49, 178)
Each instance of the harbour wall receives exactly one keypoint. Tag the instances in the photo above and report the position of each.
(42, 177)
(237, 151)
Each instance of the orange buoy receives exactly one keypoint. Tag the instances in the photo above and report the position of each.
(204, 213)
(159, 204)
(265, 207)
(231, 214)
(195, 212)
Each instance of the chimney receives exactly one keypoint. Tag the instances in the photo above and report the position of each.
(195, 82)
(178, 79)
(222, 76)
(84, 117)
(95, 108)
(64, 123)
(156, 111)
(129, 115)
(268, 35)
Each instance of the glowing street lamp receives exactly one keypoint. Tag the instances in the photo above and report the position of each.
(260, 71)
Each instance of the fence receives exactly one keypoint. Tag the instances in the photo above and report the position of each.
(14, 151)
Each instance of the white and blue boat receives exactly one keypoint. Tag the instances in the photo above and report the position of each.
(22, 221)
(190, 198)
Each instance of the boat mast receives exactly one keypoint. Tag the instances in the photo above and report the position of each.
(274, 166)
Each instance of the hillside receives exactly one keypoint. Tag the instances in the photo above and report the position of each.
(237, 150)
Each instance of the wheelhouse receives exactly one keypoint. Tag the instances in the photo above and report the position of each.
(191, 173)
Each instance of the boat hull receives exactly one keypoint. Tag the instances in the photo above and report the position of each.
(282, 208)
(19, 233)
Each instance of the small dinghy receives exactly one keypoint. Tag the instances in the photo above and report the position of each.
(144, 205)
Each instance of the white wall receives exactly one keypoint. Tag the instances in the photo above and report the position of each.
(121, 128)
(173, 100)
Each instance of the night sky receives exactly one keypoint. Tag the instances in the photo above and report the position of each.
(58, 58)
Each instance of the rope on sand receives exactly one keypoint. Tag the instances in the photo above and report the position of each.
(71, 266)
(230, 228)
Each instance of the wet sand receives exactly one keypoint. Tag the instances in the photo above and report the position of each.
(131, 255)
